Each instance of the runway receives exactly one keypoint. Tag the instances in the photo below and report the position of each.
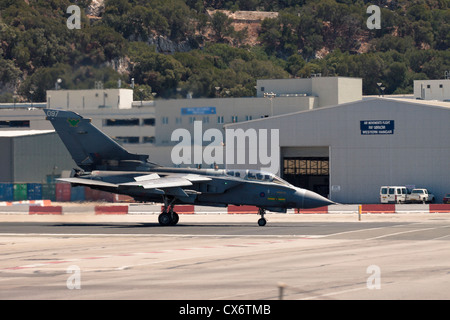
(226, 257)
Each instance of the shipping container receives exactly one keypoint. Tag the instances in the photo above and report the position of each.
(62, 192)
(49, 191)
(77, 194)
(20, 192)
(34, 191)
(98, 195)
(6, 192)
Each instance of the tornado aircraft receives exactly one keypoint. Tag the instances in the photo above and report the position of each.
(105, 165)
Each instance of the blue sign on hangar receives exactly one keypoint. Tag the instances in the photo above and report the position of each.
(372, 127)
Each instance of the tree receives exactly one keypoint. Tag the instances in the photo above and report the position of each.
(221, 25)
(9, 73)
(395, 77)
(142, 93)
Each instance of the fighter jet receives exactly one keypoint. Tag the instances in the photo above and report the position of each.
(105, 165)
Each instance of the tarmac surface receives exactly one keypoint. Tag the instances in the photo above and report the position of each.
(226, 257)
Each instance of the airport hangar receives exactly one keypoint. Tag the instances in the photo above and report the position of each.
(348, 151)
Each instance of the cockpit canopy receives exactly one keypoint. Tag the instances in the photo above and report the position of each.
(256, 175)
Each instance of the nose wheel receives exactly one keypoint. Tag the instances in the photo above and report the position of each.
(262, 221)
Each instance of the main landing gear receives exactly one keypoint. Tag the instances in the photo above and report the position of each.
(262, 221)
(168, 217)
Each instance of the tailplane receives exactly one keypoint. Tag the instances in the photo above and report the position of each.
(90, 148)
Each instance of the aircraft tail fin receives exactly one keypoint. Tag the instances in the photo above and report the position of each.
(90, 148)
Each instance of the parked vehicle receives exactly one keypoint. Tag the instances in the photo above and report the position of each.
(446, 198)
(420, 195)
(400, 194)
(393, 194)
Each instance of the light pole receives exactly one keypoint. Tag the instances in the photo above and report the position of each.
(31, 97)
(270, 95)
(140, 94)
(381, 88)
(58, 84)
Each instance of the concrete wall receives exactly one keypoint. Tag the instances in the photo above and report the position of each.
(432, 89)
(169, 116)
(284, 86)
(90, 99)
(329, 90)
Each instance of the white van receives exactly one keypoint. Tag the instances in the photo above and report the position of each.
(393, 194)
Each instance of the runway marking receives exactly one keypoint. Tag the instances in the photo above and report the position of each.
(334, 293)
(358, 230)
(403, 232)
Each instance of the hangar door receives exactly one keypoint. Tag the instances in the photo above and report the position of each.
(307, 168)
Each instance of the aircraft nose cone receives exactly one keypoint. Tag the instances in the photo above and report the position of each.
(314, 200)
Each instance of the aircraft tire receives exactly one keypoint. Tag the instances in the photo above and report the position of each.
(262, 222)
(164, 219)
(174, 219)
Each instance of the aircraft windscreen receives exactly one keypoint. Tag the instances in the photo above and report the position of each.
(256, 175)
(280, 181)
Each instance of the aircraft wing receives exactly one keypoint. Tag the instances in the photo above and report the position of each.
(153, 181)
(89, 182)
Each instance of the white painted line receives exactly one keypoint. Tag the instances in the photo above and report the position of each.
(403, 232)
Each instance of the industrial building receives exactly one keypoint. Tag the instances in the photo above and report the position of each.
(432, 90)
(90, 99)
(32, 156)
(348, 151)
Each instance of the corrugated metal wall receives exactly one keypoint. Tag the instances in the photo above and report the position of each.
(6, 162)
(38, 156)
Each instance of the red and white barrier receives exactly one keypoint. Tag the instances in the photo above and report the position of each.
(111, 209)
(32, 202)
(45, 210)
(146, 209)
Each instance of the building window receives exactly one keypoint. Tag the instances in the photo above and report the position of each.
(307, 166)
(262, 89)
(148, 139)
(165, 120)
(205, 119)
(428, 86)
(220, 119)
(441, 86)
(191, 119)
(15, 124)
(132, 140)
(178, 120)
(148, 122)
(234, 119)
(247, 118)
(121, 122)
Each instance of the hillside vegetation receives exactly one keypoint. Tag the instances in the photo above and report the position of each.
(175, 47)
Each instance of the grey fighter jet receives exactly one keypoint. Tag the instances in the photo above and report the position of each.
(106, 165)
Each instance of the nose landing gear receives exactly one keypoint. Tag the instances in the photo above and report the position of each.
(262, 221)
